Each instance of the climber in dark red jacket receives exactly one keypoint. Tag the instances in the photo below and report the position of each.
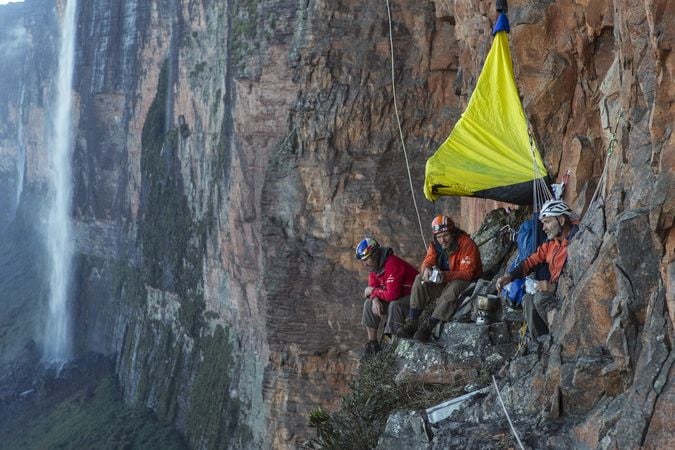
(388, 291)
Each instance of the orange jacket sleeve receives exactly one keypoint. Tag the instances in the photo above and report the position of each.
(429, 259)
(465, 264)
(536, 258)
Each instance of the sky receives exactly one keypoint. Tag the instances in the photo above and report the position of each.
(4, 2)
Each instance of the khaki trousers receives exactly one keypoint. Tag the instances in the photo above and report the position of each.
(396, 314)
(446, 293)
(536, 308)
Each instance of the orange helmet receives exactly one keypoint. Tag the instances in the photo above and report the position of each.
(441, 224)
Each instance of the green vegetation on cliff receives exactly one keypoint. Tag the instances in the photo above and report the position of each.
(374, 395)
(176, 361)
(173, 239)
(94, 417)
(215, 406)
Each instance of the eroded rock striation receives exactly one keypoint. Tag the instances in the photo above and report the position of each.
(230, 153)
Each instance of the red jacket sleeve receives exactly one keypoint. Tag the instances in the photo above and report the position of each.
(372, 280)
(392, 280)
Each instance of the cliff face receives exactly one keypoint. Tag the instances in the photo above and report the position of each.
(160, 193)
(27, 52)
(229, 154)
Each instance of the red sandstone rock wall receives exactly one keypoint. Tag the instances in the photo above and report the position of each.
(294, 155)
(585, 71)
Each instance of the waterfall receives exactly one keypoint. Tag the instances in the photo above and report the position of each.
(21, 156)
(58, 340)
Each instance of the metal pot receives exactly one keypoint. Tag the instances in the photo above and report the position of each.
(487, 302)
(482, 318)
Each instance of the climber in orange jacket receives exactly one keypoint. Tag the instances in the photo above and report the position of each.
(451, 263)
(555, 218)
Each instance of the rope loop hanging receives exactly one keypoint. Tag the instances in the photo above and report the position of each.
(540, 191)
(400, 129)
(610, 150)
(506, 413)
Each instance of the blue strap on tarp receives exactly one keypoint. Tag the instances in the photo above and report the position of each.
(502, 24)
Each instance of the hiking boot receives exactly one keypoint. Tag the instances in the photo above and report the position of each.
(372, 347)
(424, 332)
(408, 328)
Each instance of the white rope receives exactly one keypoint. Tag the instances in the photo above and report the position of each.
(400, 130)
(540, 191)
(610, 150)
(513, 430)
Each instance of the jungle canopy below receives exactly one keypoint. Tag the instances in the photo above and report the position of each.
(488, 153)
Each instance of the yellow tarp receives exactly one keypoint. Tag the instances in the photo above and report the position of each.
(489, 147)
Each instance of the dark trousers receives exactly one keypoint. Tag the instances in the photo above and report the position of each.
(536, 307)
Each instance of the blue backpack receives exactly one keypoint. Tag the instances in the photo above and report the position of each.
(530, 236)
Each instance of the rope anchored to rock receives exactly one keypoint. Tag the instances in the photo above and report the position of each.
(400, 130)
(513, 430)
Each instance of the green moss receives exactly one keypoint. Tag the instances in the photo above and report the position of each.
(128, 347)
(144, 349)
(221, 160)
(173, 240)
(159, 372)
(197, 71)
(168, 399)
(214, 413)
(127, 284)
(93, 419)
(244, 27)
(217, 102)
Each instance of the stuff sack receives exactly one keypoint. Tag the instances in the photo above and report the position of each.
(530, 236)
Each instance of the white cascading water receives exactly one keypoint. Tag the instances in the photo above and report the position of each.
(58, 339)
(21, 157)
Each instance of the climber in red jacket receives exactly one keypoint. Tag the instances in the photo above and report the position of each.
(388, 291)
(555, 218)
(451, 263)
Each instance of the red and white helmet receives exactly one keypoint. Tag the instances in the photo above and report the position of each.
(441, 224)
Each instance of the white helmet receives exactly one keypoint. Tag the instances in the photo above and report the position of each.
(554, 208)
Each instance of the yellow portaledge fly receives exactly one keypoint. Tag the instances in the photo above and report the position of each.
(489, 153)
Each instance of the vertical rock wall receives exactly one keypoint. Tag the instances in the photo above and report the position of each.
(596, 86)
(231, 153)
(164, 197)
(596, 82)
(340, 174)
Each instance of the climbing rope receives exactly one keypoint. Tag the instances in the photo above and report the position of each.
(610, 150)
(400, 130)
(513, 430)
(540, 192)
